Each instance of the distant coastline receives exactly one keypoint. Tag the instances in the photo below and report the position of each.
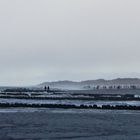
(92, 84)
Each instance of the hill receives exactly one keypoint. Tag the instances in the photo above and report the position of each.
(91, 83)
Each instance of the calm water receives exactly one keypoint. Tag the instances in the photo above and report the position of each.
(60, 124)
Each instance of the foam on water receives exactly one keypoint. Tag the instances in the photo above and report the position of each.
(69, 102)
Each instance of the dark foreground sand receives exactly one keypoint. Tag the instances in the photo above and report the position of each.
(59, 124)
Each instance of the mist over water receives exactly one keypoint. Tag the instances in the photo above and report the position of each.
(50, 40)
(68, 40)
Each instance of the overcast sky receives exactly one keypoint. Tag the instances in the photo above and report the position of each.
(46, 40)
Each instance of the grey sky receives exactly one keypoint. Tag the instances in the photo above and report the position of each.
(46, 40)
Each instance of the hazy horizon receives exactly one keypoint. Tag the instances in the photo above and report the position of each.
(50, 40)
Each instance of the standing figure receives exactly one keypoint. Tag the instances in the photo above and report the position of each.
(48, 89)
(45, 88)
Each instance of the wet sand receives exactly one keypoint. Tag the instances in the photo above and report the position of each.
(61, 124)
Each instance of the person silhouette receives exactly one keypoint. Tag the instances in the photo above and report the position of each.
(45, 88)
(48, 89)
